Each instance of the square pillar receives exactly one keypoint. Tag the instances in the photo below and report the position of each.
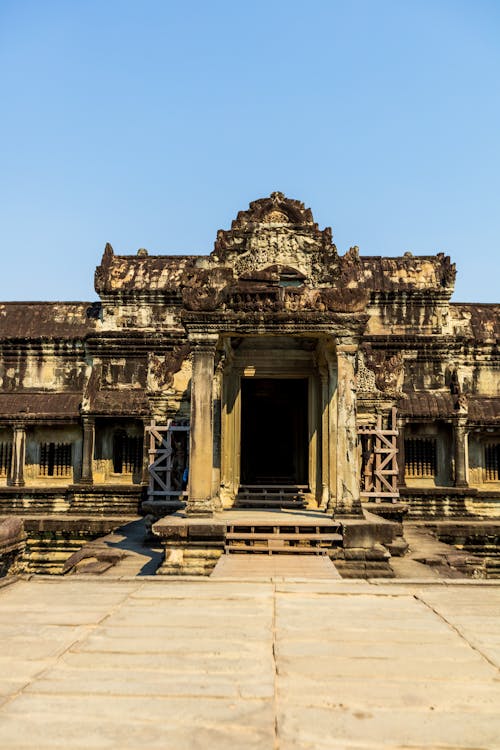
(460, 450)
(16, 478)
(348, 480)
(145, 452)
(325, 437)
(217, 429)
(201, 436)
(87, 476)
(332, 431)
(400, 440)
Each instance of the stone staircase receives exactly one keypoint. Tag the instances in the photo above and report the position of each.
(282, 537)
(271, 496)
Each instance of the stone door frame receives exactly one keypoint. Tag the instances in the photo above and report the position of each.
(231, 430)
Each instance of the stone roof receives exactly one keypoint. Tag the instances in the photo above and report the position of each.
(424, 404)
(408, 273)
(136, 272)
(484, 409)
(28, 405)
(275, 231)
(47, 320)
(481, 409)
(169, 273)
(120, 402)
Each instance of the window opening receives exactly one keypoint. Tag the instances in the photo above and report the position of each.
(55, 459)
(421, 457)
(492, 462)
(5, 458)
(290, 280)
(127, 453)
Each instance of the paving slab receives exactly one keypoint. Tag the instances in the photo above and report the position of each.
(277, 665)
(274, 566)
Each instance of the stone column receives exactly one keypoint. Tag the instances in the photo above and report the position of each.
(401, 451)
(145, 453)
(201, 436)
(331, 398)
(348, 492)
(88, 450)
(18, 455)
(325, 437)
(217, 426)
(460, 449)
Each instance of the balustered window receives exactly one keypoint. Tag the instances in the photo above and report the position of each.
(492, 462)
(127, 453)
(5, 458)
(55, 459)
(420, 457)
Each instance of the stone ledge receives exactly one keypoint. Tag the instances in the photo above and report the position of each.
(181, 528)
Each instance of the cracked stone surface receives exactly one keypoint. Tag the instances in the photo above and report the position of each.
(278, 664)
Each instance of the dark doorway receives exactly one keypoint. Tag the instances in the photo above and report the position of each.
(274, 434)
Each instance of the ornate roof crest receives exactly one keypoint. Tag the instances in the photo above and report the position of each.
(275, 230)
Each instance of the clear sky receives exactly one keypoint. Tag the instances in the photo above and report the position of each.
(150, 123)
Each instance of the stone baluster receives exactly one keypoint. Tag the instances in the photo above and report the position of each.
(87, 476)
(201, 435)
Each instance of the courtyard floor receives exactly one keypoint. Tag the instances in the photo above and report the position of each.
(272, 663)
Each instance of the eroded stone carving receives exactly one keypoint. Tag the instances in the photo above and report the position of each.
(388, 369)
(161, 370)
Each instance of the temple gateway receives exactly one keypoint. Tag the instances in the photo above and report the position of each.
(271, 374)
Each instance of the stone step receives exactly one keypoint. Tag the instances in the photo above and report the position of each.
(314, 536)
(275, 550)
(271, 496)
(283, 527)
(260, 502)
(290, 489)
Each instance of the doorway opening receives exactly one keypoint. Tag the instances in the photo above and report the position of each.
(274, 431)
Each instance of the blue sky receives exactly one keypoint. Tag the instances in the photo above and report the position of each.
(151, 123)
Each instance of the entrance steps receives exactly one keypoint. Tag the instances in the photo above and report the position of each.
(285, 537)
(271, 496)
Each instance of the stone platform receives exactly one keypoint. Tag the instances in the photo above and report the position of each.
(274, 665)
(194, 544)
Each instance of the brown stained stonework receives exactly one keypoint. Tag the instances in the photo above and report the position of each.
(35, 406)
(274, 299)
(47, 320)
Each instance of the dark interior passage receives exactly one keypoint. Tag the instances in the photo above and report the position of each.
(274, 435)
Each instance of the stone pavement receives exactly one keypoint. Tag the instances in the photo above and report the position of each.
(285, 566)
(186, 664)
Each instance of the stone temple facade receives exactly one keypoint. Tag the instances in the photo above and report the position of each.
(271, 372)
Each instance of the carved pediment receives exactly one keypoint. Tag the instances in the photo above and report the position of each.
(276, 231)
(275, 217)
